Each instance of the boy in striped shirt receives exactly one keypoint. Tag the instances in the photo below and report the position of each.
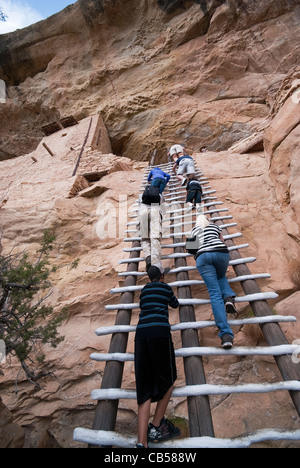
(155, 366)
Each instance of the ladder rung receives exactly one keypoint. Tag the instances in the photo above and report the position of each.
(190, 215)
(182, 244)
(202, 390)
(187, 233)
(176, 255)
(109, 438)
(180, 284)
(233, 247)
(206, 205)
(203, 324)
(192, 224)
(239, 261)
(247, 298)
(280, 350)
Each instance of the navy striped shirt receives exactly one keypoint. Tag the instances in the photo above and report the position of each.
(155, 299)
(208, 239)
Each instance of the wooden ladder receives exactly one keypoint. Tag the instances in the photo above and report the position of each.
(196, 391)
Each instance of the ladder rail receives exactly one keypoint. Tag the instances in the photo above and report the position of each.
(106, 411)
(272, 331)
(200, 417)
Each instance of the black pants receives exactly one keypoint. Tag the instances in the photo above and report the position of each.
(155, 368)
(194, 196)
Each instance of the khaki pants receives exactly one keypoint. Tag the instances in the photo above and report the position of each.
(150, 230)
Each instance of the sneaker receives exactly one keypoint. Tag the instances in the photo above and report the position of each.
(165, 431)
(189, 208)
(153, 433)
(184, 182)
(168, 430)
(230, 305)
(227, 341)
(139, 446)
(166, 271)
(148, 263)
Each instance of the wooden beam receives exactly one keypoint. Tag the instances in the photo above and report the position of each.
(48, 149)
(82, 149)
(200, 417)
(271, 331)
(106, 411)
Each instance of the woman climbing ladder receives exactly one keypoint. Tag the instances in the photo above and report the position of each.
(212, 260)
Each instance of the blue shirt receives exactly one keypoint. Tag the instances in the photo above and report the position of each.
(181, 159)
(157, 173)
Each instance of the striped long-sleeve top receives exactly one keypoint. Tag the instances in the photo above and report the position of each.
(208, 239)
(155, 300)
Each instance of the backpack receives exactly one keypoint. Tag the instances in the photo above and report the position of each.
(151, 195)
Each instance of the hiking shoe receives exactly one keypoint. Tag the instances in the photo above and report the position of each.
(230, 305)
(227, 341)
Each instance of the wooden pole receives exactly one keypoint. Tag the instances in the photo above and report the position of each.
(106, 411)
(271, 331)
(200, 417)
(152, 160)
(82, 149)
(48, 149)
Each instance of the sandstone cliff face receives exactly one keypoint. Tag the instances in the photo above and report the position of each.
(202, 71)
(39, 192)
(159, 72)
(89, 219)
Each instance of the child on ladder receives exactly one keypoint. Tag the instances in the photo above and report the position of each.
(154, 358)
(194, 194)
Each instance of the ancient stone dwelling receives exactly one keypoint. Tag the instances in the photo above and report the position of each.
(90, 94)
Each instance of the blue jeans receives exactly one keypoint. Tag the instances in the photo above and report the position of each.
(160, 183)
(212, 266)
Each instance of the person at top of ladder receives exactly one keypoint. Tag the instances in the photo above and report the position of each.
(154, 359)
(158, 178)
(212, 260)
(184, 164)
